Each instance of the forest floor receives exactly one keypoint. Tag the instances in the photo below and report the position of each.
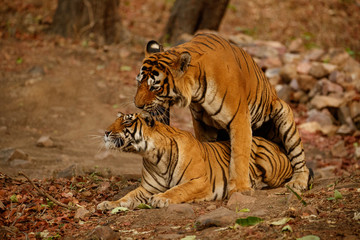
(70, 91)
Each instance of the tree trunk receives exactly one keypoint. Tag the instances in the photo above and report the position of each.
(188, 16)
(94, 18)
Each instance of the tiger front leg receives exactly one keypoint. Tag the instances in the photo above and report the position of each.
(196, 189)
(130, 200)
(241, 139)
(283, 119)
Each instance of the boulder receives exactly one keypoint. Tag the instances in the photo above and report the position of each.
(321, 102)
(318, 71)
(45, 141)
(306, 82)
(220, 217)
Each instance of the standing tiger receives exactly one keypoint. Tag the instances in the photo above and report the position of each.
(229, 98)
(179, 168)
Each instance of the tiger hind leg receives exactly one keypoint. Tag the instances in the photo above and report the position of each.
(282, 117)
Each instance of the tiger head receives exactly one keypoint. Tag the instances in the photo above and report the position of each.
(162, 79)
(127, 132)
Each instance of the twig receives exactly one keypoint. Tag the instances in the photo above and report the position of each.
(46, 194)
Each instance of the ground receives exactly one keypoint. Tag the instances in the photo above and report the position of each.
(71, 91)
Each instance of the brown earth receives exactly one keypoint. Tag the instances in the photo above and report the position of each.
(71, 90)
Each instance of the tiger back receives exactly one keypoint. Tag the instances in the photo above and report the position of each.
(178, 168)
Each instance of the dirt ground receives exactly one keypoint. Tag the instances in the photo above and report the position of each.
(71, 91)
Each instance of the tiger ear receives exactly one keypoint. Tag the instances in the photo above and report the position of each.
(153, 47)
(120, 114)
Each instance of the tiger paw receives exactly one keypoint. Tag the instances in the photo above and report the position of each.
(299, 181)
(235, 186)
(158, 201)
(107, 205)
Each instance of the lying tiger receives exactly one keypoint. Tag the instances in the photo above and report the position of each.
(178, 168)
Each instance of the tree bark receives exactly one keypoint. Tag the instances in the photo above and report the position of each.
(188, 16)
(94, 18)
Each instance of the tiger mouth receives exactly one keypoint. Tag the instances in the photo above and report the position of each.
(119, 142)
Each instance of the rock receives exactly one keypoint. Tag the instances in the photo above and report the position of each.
(37, 71)
(170, 236)
(303, 67)
(296, 45)
(45, 141)
(314, 54)
(271, 62)
(3, 129)
(344, 117)
(220, 217)
(325, 172)
(306, 82)
(211, 207)
(330, 87)
(241, 39)
(355, 113)
(288, 72)
(103, 233)
(284, 92)
(317, 70)
(69, 172)
(82, 213)
(309, 210)
(9, 154)
(182, 210)
(345, 130)
(323, 117)
(300, 97)
(321, 102)
(294, 85)
(272, 72)
(337, 56)
(239, 200)
(337, 77)
(339, 149)
(330, 67)
(290, 58)
(313, 127)
(357, 152)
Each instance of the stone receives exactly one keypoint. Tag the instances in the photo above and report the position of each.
(354, 108)
(294, 85)
(82, 213)
(296, 45)
(306, 82)
(288, 72)
(339, 149)
(314, 54)
(220, 217)
(3, 129)
(272, 72)
(335, 75)
(323, 117)
(313, 127)
(9, 154)
(337, 56)
(241, 39)
(300, 97)
(318, 71)
(330, 67)
(37, 71)
(357, 152)
(284, 92)
(69, 172)
(325, 172)
(330, 87)
(182, 210)
(211, 207)
(103, 233)
(345, 130)
(290, 58)
(239, 200)
(321, 102)
(303, 67)
(45, 141)
(271, 62)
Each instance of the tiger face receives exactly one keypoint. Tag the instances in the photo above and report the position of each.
(156, 81)
(126, 133)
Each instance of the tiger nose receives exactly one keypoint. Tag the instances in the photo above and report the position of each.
(140, 106)
(107, 133)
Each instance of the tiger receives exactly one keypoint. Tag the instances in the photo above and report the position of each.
(229, 98)
(178, 168)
